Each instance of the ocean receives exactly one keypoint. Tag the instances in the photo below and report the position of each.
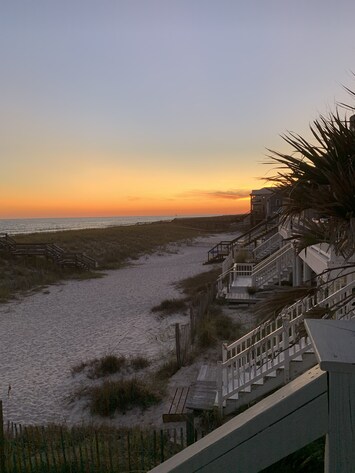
(38, 225)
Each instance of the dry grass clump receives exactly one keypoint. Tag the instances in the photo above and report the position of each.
(139, 363)
(170, 306)
(216, 327)
(196, 285)
(108, 365)
(120, 396)
(99, 368)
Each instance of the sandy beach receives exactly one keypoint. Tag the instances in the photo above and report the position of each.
(44, 334)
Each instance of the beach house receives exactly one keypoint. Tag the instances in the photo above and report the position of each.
(308, 364)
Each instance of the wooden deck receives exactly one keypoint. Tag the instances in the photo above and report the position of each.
(178, 411)
(203, 392)
(48, 250)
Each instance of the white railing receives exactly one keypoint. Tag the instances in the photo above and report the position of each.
(273, 345)
(313, 405)
(267, 247)
(273, 266)
(263, 272)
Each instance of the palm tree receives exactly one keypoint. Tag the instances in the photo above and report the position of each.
(318, 179)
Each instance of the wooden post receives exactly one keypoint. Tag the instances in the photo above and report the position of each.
(220, 387)
(334, 344)
(190, 429)
(177, 343)
(2, 442)
(192, 325)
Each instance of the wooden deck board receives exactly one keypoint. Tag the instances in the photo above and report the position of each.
(178, 410)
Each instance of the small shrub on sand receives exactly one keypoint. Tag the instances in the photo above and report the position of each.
(109, 364)
(120, 396)
(139, 363)
(170, 306)
(98, 368)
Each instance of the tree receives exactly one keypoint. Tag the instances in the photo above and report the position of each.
(320, 177)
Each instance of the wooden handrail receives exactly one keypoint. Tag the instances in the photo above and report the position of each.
(49, 250)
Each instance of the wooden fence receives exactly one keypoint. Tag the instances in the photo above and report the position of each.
(59, 449)
(185, 335)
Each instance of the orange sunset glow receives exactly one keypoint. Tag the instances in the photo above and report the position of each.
(169, 108)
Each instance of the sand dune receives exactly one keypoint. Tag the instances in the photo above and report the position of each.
(43, 335)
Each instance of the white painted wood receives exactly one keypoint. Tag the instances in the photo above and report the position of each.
(340, 452)
(280, 424)
(334, 344)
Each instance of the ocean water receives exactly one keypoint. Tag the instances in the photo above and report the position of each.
(38, 225)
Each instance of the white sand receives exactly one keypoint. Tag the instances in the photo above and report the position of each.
(43, 335)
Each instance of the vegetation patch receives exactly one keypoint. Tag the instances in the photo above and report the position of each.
(139, 363)
(215, 327)
(109, 365)
(98, 368)
(111, 247)
(170, 306)
(195, 285)
(120, 396)
(167, 369)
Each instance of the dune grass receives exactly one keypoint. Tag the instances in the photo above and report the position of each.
(111, 247)
(217, 327)
(170, 306)
(120, 396)
(108, 365)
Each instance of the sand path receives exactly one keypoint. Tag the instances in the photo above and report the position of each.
(43, 335)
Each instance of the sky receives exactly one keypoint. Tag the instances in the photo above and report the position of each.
(159, 107)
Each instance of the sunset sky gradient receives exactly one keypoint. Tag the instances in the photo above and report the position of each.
(159, 107)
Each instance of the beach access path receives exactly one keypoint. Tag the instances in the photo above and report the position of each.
(44, 334)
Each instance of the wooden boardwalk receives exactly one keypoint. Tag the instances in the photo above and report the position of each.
(48, 250)
(202, 395)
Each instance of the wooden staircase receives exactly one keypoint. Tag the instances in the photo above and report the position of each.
(220, 251)
(48, 250)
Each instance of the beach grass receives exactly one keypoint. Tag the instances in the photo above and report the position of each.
(120, 396)
(108, 365)
(111, 247)
(217, 327)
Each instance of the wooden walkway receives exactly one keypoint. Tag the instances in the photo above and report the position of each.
(49, 250)
(203, 392)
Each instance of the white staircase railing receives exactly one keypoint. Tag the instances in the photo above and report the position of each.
(273, 345)
(276, 265)
(267, 247)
